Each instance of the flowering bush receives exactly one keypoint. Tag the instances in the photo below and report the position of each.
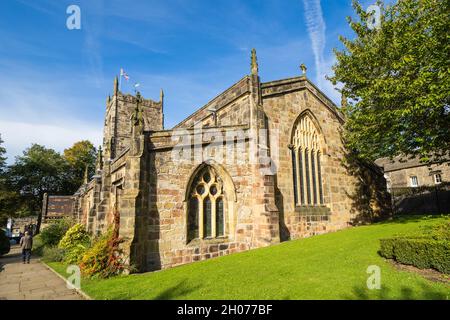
(75, 242)
(103, 258)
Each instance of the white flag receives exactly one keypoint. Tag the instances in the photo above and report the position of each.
(124, 74)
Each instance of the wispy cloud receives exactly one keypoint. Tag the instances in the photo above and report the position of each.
(316, 29)
(45, 7)
(93, 29)
(37, 107)
(20, 135)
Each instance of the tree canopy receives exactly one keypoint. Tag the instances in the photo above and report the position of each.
(8, 197)
(37, 171)
(2, 156)
(41, 170)
(81, 155)
(396, 80)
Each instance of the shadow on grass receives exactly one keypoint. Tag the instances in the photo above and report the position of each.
(426, 293)
(176, 292)
(410, 219)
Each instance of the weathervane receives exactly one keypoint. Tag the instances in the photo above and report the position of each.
(136, 85)
(303, 68)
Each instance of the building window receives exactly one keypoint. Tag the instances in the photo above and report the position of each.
(193, 218)
(414, 181)
(301, 175)
(437, 178)
(206, 216)
(219, 218)
(294, 170)
(307, 169)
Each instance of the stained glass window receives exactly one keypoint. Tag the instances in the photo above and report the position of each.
(207, 217)
(193, 219)
(206, 211)
(219, 218)
(306, 163)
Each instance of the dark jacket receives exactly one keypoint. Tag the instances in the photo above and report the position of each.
(26, 242)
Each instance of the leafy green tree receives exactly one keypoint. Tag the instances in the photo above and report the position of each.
(39, 170)
(81, 155)
(396, 79)
(2, 156)
(9, 199)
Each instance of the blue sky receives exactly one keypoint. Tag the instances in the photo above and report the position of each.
(54, 81)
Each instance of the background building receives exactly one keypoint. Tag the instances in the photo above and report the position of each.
(415, 187)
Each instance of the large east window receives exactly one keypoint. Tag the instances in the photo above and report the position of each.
(306, 163)
(206, 217)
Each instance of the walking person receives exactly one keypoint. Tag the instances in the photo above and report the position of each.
(26, 243)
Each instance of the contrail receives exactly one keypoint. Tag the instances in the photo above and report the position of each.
(316, 29)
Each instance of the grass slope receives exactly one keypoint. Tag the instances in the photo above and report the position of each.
(330, 266)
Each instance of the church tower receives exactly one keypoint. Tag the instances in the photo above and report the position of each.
(117, 127)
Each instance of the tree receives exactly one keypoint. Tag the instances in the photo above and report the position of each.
(11, 204)
(396, 78)
(7, 198)
(81, 155)
(2, 156)
(39, 170)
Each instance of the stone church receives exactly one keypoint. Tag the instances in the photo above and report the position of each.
(261, 163)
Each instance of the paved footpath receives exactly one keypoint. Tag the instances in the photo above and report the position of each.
(32, 281)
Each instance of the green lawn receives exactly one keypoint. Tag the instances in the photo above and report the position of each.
(330, 266)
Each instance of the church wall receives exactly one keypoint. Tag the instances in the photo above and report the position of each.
(167, 220)
(86, 201)
(282, 105)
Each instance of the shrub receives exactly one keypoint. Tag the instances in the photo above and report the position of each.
(75, 254)
(52, 234)
(75, 242)
(438, 232)
(5, 246)
(52, 254)
(103, 258)
(38, 245)
(419, 252)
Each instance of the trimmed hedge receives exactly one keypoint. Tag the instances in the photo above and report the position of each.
(420, 252)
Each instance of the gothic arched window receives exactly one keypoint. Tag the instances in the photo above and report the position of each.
(306, 157)
(206, 216)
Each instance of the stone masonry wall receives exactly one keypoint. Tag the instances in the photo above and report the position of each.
(167, 224)
(284, 101)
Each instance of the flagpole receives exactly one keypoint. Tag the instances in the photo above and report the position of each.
(120, 80)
